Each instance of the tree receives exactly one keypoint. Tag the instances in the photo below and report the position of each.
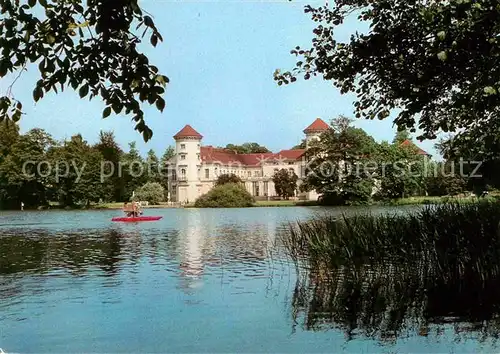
(228, 178)
(333, 160)
(9, 134)
(400, 170)
(22, 179)
(152, 192)
(76, 172)
(445, 180)
(247, 148)
(228, 195)
(166, 167)
(302, 145)
(285, 183)
(112, 186)
(476, 164)
(168, 154)
(153, 167)
(86, 45)
(401, 136)
(133, 172)
(436, 62)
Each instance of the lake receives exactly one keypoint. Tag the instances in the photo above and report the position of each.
(195, 281)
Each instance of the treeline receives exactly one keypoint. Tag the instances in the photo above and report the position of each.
(347, 166)
(35, 169)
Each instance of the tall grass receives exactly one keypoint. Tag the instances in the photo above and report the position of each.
(382, 275)
(453, 240)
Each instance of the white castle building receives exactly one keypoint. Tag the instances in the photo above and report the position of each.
(197, 167)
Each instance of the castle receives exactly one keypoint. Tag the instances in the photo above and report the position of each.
(197, 167)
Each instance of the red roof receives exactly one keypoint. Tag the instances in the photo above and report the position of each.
(188, 132)
(292, 154)
(317, 126)
(419, 150)
(226, 157)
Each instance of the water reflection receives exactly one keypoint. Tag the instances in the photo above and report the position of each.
(393, 301)
(199, 245)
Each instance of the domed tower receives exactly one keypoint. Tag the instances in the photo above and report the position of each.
(314, 130)
(187, 149)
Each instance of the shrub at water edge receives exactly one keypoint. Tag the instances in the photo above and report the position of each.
(229, 195)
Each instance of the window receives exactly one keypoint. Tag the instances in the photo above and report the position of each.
(256, 173)
(198, 155)
(215, 171)
(255, 187)
(207, 173)
(266, 188)
(183, 157)
(249, 173)
(198, 146)
(183, 146)
(183, 172)
(291, 171)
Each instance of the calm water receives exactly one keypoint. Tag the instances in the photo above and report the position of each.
(196, 281)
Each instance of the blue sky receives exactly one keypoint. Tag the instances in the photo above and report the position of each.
(220, 57)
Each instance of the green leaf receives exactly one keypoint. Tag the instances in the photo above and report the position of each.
(148, 21)
(154, 40)
(160, 103)
(84, 90)
(489, 90)
(442, 56)
(147, 134)
(106, 112)
(16, 116)
(51, 39)
(117, 107)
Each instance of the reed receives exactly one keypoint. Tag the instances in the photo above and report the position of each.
(454, 240)
(389, 274)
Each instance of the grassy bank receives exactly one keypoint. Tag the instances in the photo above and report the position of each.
(291, 203)
(120, 206)
(423, 200)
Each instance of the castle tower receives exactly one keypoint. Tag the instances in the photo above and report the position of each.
(313, 133)
(314, 130)
(188, 162)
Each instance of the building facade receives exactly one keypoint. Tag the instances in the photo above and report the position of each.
(195, 168)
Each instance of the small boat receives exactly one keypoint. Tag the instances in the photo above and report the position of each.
(136, 218)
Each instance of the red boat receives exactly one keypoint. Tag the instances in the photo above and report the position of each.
(136, 218)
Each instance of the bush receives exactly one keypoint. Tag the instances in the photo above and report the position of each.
(152, 192)
(227, 178)
(229, 195)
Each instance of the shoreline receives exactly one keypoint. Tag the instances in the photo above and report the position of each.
(291, 203)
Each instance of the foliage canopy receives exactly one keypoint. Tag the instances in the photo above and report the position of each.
(436, 62)
(90, 46)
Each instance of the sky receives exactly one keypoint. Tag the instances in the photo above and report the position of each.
(220, 57)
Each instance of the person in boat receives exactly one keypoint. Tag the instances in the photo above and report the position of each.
(138, 208)
(129, 210)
